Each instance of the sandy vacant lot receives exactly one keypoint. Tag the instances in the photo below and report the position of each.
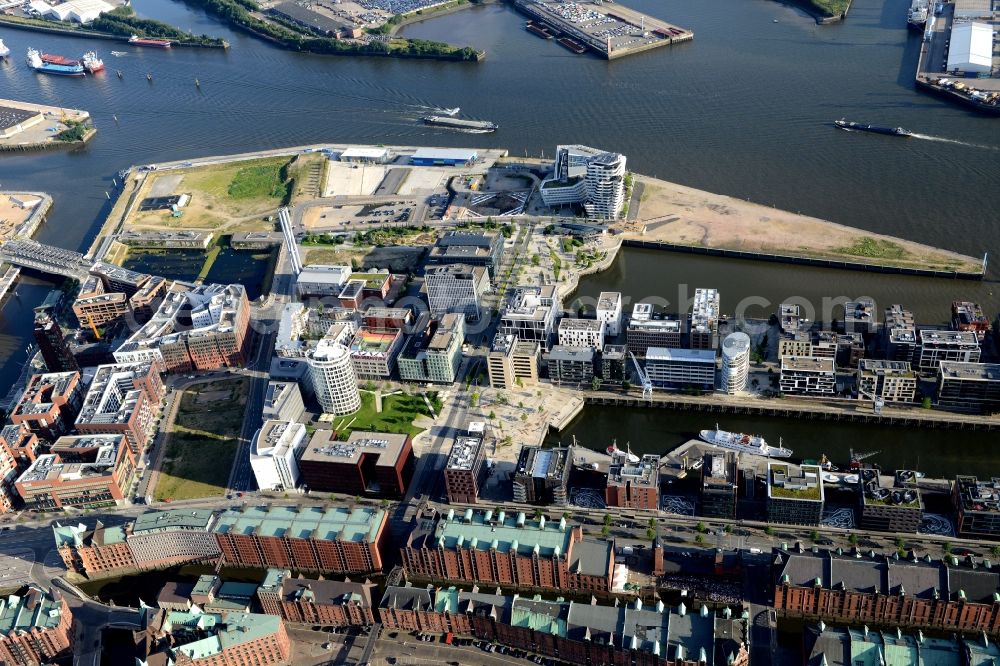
(12, 216)
(352, 179)
(677, 214)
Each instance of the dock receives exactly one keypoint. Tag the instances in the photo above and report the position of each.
(21, 213)
(610, 31)
(30, 126)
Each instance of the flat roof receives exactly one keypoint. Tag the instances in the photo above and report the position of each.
(688, 355)
(808, 363)
(566, 353)
(364, 152)
(387, 446)
(173, 519)
(971, 44)
(458, 154)
(983, 372)
(464, 453)
(800, 482)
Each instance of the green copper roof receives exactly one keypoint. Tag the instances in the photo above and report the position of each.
(227, 630)
(15, 614)
(206, 583)
(174, 519)
(359, 525)
(464, 531)
(273, 577)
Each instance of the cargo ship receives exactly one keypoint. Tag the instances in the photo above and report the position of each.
(875, 129)
(917, 17)
(92, 63)
(36, 63)
(737, 441)
(459, 123)
(538, 30)
(53, 59)
(156, 43)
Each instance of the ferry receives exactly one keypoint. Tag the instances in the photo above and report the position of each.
(734, 441)
(36, 63)
(4, 50)
(156, 43)
(92, 63)
(613, 449)
(917, 17)
(875, 129)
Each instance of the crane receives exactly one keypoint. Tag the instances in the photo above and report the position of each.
(856, 458)
(647, 386)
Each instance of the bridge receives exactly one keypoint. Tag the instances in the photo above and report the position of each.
(45, 258)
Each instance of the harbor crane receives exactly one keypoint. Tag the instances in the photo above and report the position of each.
(647, 386)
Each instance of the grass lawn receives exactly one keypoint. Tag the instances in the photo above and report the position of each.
(203, 440)
(398, 413)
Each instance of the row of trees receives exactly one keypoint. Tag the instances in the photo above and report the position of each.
(123, 21)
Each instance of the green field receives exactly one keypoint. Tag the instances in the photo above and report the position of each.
(398, 414)
(203, 441)
(257, 182)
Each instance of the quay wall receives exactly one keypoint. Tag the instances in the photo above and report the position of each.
(802, 261)
(797, 409)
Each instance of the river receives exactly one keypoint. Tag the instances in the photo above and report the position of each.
(745, 110)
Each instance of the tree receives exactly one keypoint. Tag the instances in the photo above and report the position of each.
(595, 383)
(384, 504)
(566, 515)
(900, 543)
(524, 417)
(926, 402)
(474, 399)
(699, 538)
(607, 519)
(700, 527)
(853, 539)
(728, 529)
(538, 514)
(995, 551)
(626, 385)
(650, 533)
(769, 531)
(652, 522)
(492, 416)
(946, 547)
(814, 535)
(605, 530)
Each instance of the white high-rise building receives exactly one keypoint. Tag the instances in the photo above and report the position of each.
(588, 176)
(273, 456)
(609, 310)
(333, 378)
(735, 363)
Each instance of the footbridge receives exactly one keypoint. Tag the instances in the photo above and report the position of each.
(45, 258)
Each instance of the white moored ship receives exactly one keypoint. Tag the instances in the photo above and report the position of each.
(737, 441)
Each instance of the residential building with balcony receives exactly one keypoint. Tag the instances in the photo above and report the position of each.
(434, 354)
(892, 381)
(969, 387)
(681, 368)
(49, 404)
(937, 346)
(703, 324)
(465, 470)
(510, 360)
(123, 399)
(571, 366)
(541, 475)
(469, 249)
(609, 310)
(530, 314)
(587, 333)
(808, 375)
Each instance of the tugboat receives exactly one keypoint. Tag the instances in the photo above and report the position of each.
(875, 129)
(92, 63)
(36, 63)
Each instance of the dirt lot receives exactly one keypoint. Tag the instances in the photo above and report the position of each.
(676, 214)
(11, 216)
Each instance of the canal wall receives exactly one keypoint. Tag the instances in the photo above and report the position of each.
(820, 411)
(801, 261)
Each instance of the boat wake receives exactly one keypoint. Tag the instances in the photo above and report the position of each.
(941, 139)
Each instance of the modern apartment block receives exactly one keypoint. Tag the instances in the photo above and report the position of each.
(575, 332)
(369, 464)
(614, 363)
(646, 330)
(719, 483)
(497, 549)
(332, 377)
(52, 344)
(633, 485)
(282, 402)
(465, 470)
(703, 324)
(83, 471)
(274, 454)
(123, 399)
(468, 248)
(571, 366)
(36, 627)
(386, 320)
(94, 307)
(307, 601)
(322, 280)
(847, 349)
(859, 317)
(530, 313)
(896, 507)
(968, 316)
(455, 288)
(9, 471)
(937, 346)
(892, 381)
(609, 310)
(899, 334)
(435, 353)
(201, 327)
(374, 354)
(790, 318)
(587, 176)
(794, 494)
(22, 445)
(977, 507)
(541, 476)
(969, 387)
(510, 360)
(303, 539)
(808, 375)
(796, 344)
(681, 368)
(735, 374)
(49, 404)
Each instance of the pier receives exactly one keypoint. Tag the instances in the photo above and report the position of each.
(610, 31)
(27, 126)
